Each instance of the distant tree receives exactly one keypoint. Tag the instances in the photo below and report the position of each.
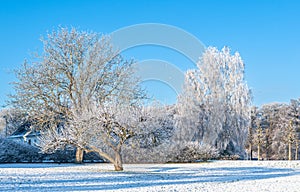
(268, 123)
(154, 141)
(294, 116)
(214, 108)
(251, 128)
(290, 138)
(271, 118)
(259, 140)
(76, 70)
(275, 120)
(12, 119)
(268, 142)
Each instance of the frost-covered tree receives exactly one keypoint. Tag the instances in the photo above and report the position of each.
(76, 68)
(251, 128)
(214, 108)
(275, 120)
(100, 128)
(153, 143)
(11, 119)
(290, 138)
(271, 119)
(294, 114)
(289, 119)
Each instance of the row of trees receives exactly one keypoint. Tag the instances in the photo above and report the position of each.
(275, 132)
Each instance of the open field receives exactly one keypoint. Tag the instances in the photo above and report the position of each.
(214, 176)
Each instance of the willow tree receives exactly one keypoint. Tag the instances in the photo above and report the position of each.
(76, 68)
(214, 108)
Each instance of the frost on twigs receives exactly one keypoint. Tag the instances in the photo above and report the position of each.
(151, 144)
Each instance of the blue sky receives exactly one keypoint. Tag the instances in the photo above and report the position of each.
(266, 33)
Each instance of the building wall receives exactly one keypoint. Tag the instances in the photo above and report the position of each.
(30, 140)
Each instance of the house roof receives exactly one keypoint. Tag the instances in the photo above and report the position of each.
(22, 130)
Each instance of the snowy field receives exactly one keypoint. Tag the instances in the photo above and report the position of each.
(221, 176)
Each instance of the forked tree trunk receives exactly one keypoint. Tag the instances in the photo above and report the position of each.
(118, 162)
(79, 155)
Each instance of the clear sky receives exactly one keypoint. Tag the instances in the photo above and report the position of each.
(266, 33)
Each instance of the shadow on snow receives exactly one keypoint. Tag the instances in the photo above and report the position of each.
(149, 177)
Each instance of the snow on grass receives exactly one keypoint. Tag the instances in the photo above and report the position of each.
(213, 176)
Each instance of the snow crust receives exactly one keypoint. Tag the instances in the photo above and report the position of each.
(275, 176)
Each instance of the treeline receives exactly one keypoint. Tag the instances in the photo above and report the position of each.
(274, 133)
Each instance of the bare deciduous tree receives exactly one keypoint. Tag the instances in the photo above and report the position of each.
(77, 69)
(103, 129)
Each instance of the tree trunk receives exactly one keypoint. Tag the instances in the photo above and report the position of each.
(79, 155)
(250, 146)
(296, 151)
(118, 162)
(290, 151)
(258, 152)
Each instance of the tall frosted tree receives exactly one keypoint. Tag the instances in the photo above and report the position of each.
(214, 108)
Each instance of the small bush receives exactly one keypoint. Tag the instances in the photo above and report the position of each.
(17, 152)
(193, 151)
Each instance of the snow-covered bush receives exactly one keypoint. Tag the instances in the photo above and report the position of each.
(15, 152)
(192, 152)
(18, 152)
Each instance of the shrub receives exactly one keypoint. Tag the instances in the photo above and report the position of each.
(194, 151)
(17, 152)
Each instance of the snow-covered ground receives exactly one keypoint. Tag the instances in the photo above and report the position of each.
(221, 176)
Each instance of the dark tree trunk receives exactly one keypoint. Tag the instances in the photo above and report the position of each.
(251, 151)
